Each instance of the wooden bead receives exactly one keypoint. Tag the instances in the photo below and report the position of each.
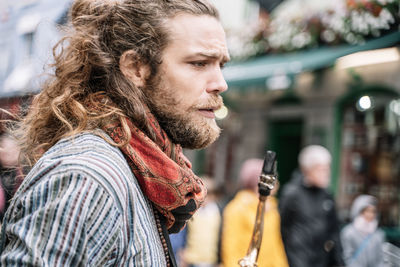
(162, 237)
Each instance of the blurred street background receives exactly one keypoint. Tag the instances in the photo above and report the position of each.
(303, 72)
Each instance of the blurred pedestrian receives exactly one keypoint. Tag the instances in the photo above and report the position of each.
(309, 224)
(10, 171)
(203, 231)
(362, 239)
(239, 219)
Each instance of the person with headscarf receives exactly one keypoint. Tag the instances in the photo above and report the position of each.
(239, 217)
(362, 240)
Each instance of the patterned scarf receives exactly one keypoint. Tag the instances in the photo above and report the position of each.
(163, 172)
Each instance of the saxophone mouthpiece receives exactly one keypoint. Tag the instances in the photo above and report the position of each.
(268, 176)
(269, 163)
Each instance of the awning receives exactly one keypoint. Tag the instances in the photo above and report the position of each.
(257, 71)
(269, 5)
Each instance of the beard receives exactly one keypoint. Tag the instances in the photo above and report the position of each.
(185, 127)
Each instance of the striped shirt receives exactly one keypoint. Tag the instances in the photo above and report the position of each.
(81, 206)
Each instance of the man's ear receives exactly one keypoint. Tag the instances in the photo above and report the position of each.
(133, 68)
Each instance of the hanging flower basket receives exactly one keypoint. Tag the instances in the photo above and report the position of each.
(298, 25)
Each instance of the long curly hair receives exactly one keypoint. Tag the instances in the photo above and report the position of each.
(79, 95)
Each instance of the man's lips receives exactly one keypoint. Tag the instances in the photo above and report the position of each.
(207, 112)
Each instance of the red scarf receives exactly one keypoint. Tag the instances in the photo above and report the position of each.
(163, 172)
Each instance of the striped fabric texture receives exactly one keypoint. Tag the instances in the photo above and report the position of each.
(81, 206)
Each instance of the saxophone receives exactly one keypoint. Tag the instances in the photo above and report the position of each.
(267, 182)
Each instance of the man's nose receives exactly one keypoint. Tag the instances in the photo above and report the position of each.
(217, 83)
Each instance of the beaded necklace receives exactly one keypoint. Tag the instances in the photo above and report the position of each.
(162, 237)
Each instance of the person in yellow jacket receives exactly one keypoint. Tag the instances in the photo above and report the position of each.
(238, 222)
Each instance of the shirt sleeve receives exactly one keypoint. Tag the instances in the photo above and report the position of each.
(64, 219)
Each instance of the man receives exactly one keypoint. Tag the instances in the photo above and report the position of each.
(239, 218)
(134, 82)
(309, 223)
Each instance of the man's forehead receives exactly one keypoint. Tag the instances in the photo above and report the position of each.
(198, 35)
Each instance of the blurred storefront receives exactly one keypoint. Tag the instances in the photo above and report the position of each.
(28, 29)
(342, 94)
(327, 77)
(368, 135)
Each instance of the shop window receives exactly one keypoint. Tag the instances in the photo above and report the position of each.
(26, 28)
(370, 154)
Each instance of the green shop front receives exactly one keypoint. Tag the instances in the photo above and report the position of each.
(285, 102)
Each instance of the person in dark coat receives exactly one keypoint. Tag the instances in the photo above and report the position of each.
(309, 224)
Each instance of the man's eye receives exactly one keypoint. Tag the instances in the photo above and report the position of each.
(199, 63)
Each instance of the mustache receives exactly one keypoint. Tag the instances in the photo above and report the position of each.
(215, 102)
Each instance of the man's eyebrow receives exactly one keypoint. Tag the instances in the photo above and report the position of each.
(213, 55)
